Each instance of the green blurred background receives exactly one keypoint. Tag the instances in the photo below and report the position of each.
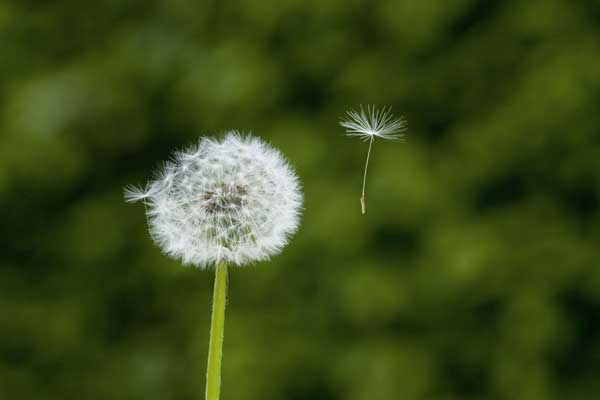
(474, 275)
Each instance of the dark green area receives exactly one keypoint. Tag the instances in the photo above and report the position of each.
(474, 275)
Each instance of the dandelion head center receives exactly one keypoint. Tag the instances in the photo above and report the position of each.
(224, 198)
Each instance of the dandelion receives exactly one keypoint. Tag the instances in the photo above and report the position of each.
(368, 124)
(234, 201)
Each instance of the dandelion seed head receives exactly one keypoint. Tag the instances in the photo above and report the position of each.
(235, 200)
(366, 124)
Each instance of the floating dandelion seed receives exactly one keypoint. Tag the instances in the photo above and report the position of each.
(234, 201)
(367, 125)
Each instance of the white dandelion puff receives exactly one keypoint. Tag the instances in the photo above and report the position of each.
(368, 124)
(235, 200)
(134, 194)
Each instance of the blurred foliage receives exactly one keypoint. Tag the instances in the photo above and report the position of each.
(475, 274)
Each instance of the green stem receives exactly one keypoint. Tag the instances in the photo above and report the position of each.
(217, 327)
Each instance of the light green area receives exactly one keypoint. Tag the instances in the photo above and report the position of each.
(217, 330)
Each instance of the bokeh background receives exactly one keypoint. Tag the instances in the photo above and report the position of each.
(474, 275)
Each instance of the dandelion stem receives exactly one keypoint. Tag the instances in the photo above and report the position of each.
(217, 326)
(363, 200)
